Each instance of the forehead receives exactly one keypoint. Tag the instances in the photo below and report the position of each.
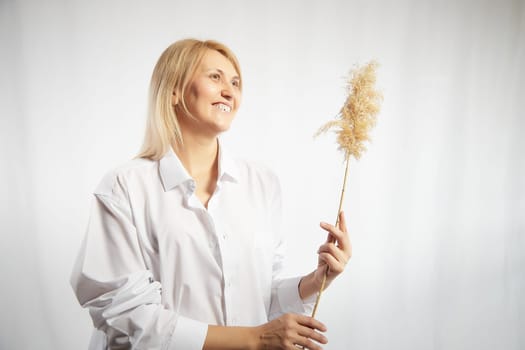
(215, 60)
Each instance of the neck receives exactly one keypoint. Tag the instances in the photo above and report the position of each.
(199, 156)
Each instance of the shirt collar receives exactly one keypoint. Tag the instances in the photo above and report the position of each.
(228, 169)
(173, 173)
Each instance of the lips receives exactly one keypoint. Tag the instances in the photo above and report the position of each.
(222, 107)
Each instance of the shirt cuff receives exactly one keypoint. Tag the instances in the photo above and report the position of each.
(289, 297)
(188, 334)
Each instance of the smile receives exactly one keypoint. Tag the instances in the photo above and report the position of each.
(222, 107)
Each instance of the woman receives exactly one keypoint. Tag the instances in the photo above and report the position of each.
(183, 249)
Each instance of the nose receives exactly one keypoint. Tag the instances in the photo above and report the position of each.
(226, 92)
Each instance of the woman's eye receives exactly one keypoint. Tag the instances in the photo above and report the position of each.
(236, 83)
(215, 76)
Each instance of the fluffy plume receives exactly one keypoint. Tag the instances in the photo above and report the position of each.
(358, 115)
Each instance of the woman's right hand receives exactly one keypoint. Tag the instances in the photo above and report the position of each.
(290, 331)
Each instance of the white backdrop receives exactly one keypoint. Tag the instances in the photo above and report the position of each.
(436, 207)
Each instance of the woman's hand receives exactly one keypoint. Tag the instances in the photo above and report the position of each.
(334, 253)
(290, 331)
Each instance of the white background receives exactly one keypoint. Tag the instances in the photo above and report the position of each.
(436, 207)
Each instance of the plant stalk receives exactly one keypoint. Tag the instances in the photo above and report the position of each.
(330, 239)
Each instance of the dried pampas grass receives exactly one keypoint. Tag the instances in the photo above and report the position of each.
(359, 112)
(355, 120)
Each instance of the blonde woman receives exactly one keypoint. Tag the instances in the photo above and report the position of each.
(183, 248)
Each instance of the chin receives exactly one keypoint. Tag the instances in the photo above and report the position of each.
(216, 130)
(223, 126)
(223, 129)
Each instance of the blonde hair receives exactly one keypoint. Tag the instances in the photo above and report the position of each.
(172, 74)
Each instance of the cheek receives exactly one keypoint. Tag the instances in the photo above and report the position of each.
(200, 93)
(239, 100)
(207, 91)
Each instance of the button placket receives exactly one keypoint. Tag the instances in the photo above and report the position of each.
(225, 246)
(228, 273)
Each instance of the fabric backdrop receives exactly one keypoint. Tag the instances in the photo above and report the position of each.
(436, 206)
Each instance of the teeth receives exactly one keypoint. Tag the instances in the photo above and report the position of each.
(223, 107)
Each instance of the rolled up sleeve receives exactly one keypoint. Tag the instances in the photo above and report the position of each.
(112, 281)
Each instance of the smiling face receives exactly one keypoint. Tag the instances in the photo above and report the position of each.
(212, 97)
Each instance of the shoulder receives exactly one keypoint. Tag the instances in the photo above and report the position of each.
(115, 181)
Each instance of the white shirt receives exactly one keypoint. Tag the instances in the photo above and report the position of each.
(156, 267)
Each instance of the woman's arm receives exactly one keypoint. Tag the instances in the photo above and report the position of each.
(284, 332)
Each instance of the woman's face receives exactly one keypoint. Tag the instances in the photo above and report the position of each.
(212, 97)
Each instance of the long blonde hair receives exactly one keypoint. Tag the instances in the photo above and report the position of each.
(172, 74)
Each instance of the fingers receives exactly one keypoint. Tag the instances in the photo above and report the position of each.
(307, 334)
(342, 222)
(305, 343)
(310, 322)
(339, 233)
(291, 330)
(309, 339)
(334, 265)
(334, 257)
(332, 249)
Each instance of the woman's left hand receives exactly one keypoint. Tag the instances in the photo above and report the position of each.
(335, 252)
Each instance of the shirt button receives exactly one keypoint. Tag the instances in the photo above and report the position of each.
(224, 235)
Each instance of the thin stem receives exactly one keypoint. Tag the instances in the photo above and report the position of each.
(343, 190)
(323, 283)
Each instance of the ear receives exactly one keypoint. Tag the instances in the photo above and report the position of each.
(174, 99)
